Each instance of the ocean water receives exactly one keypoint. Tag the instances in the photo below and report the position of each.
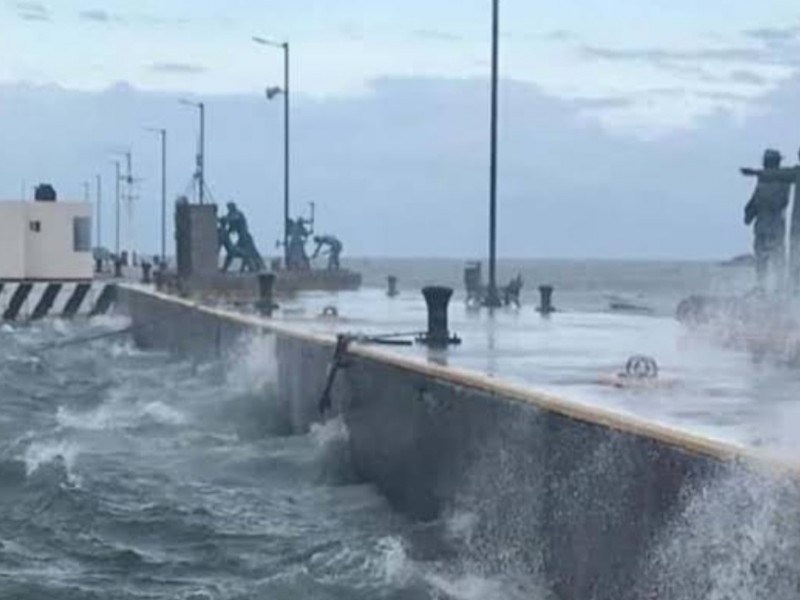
(126, 474)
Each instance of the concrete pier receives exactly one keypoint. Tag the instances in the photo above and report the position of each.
(582, 495)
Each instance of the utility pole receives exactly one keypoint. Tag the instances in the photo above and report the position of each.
(164, 197)
(200, 175)
(117, 179)
(163, 135)
(99, 202)
(492, 299)
(201, 158)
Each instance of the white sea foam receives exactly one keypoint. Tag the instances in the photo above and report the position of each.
(332, 432)
(255, 366)
(392, 563)
(120, 415)
(40, 453)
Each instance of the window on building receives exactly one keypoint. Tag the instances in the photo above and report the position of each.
(82, 234)
(35, 226)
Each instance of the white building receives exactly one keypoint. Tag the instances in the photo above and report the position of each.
(45, 241)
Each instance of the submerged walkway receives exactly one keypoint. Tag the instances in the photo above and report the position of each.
(704, 389)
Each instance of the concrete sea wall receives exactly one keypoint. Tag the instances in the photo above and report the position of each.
(595, 505)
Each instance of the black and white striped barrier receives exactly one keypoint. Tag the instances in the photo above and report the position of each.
(30, 301)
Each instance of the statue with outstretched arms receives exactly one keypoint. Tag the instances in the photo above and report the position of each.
(766, 212)
(785, 176)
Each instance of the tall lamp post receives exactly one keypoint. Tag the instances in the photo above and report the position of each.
(492, 299)
(201, 154)
(99, 207)
(271, 93)
(163, 134)
(117, 201)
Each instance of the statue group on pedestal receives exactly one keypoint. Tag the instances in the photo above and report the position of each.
(766, 211)
(235, 238)
(244, 248)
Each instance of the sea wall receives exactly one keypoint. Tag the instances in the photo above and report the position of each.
(591, 503)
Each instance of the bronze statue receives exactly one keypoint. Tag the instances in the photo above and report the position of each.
(789, 176)
(334, 250)
(766, 210)
(512, 291)
(234, 222)
(296, 257)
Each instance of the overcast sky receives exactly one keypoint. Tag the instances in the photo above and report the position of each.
(391, 112)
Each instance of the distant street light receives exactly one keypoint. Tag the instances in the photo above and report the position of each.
(201, 167)
(271, 93)
(117, 179)
(163, 134)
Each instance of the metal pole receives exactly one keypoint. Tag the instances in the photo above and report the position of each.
(99, 200)
(201, 159)
(117, 203)
(128, 195)
(286, 136)
(163, 196)
(492, 297)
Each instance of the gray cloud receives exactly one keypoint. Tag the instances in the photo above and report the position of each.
(719, 96)
(601, 102)
(747, 77)
(773, 35)
(178, 68)
(379, 172)
(97, 15)
(560, 35)
(31, 11)
(659, 55)
(436, 35)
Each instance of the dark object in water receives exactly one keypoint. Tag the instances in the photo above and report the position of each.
(743, 260)
(623, 305)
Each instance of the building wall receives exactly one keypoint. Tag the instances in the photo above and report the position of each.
(12, 240)
(50, 252)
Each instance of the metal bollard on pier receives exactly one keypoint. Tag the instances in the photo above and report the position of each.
(438, 335)
(546, 300)
(391, 290)
(266, 303)
(146, 268)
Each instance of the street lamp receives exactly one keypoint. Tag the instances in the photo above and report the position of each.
(272, 92)
(117, 179)
(492, 299)
(163, 134)
(99, 208)
(201, 167)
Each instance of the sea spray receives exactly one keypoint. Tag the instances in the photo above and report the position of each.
(737, 539)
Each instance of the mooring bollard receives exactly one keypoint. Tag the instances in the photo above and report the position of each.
(266, 284)
(438, 299)
(146, 268)
(546, 300)
(392, 286)
(117, 268)
(158, 278)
